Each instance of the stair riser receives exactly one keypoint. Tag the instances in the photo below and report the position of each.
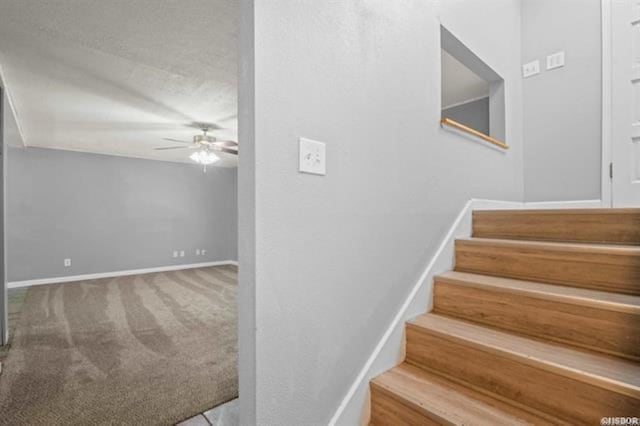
(596, 329)
(388, 410)
(516, 379)
(591, 226)
(600, 271)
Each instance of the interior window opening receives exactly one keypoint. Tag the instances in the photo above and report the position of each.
(472, 93)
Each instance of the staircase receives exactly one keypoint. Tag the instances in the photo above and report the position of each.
(539, 323)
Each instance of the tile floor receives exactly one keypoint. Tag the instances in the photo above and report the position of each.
(222, 415)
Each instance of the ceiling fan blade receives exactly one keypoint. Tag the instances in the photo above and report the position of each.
(225, 144)
(227, 150)
(203, 125)
(176, 140)
(172, 147)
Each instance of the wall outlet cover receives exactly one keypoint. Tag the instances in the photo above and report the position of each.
(67, 263)
(181, 253)
(555, 60)
(312, 157)
(203, 252)
(530, 69)
(175, 253)
(197, 252)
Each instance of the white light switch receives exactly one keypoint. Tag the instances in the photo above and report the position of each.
(312, 157)
(555, 61)
(531, 68)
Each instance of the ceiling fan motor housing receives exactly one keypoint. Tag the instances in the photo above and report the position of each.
(203, 139)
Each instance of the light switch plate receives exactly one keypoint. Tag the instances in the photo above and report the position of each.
(555, 60)
(312, 157)
(531, 68)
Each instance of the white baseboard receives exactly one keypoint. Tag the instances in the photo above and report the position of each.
(577, 204)
(73, 278)
(481, 204)
(389, 352)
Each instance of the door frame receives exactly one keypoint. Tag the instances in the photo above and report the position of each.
(607, 145)
(4, 310)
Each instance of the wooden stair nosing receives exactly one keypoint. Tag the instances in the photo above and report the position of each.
(557, 246)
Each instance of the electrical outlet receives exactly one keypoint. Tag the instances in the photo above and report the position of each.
(203, 251)
(530, 69)
(67, 263)
(181, 253)
(197, 252)
(555, 60)
(312, 157)
(175, 253)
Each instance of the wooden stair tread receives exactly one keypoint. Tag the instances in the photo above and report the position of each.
(604, 371)
(605, 267)
(554, 246)
(617, 226)
(446, 402)
(574, 295)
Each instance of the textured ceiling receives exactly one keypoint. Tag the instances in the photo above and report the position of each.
(459, 83)
(115, 77)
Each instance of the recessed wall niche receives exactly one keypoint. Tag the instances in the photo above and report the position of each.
(472, 93)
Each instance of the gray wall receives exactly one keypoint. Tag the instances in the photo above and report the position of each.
(111, 213)
(332, 258)
(562, 107)
(474, 114)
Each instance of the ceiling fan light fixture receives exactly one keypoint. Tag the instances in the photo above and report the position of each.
(204, 157)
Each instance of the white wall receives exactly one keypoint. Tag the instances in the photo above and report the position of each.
(562, 107)
(335, 256)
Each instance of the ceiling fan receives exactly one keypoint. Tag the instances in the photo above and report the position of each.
(205, 147)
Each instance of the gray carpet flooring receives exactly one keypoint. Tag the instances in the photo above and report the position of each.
(150, 349)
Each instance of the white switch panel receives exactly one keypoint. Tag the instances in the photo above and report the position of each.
(67, 263)
(181, 253)
(175, 253)
(312, 157)
(203, 252)
(531, 68)
(555, 61)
